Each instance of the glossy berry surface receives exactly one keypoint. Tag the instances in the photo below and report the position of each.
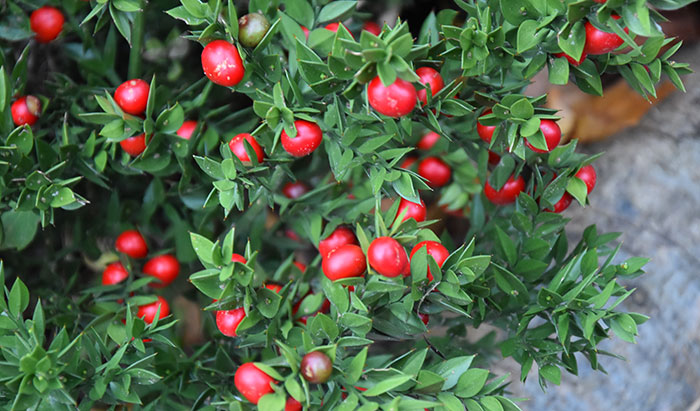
(338, 238)
(300, 266)
(163, 267)
(344, 262)
(237, 146)
(274, 287)
(552, 135)
(132, 96)
(507, 194)
(408, 162)
(316, 367)
(185, 131)
(372, 27)
(435, 250)
(601, 42)
(563, 203)
(436, 171)
(46, 22)
(252, 382)
(485, 132)
(396, 100)
(227, 321)
(148, 312)
(428, 141)
(432, 79)
(588, 175)
(237, 258)
(571, 60)
(292, 405)
(295, 190)
(222, 63)
(387, 257)
(25, 110)
(131, 243)
(135, 145)
(252, 28)
(307, 140)
(425, 318)
(114, 274)
(412, 210)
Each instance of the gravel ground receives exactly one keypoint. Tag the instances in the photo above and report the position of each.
(649, 189)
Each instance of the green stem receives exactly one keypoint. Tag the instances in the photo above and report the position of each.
(136, 44)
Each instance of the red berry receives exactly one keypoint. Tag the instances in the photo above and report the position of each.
(227, 321)
(238, 148)
(334, 28)
(131, 243)
(430, 78)
(300, 266)
(411, 210)
(292, 405)
(222, 64)
(600, 1)
(424, 318)
(508, 193)
(274, 287)
(562, 204)
(135, 145)
(485, 132)
(372, 27)
(408, 162)
(187, 128)
(428, 141)
(435, 250)
(552, 135)
(252, 382)
(387, 257)
(316, 367)
(571, 60)
(163, 267)
(344, 262)
(436, 171)
(114, 273)
(588, 175)
(237, 258)
(396, 100)
(601, 42)
(295, 190)
(26, 110)
(494, 158)
(338, 238)
(132, 96)
(309, 137)
(47, 23)
(148, 312)
(306, 31)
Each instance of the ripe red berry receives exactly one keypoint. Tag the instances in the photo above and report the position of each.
(552, 135)
(334, 28)
(562, 204)
(425, 318)
(307, 140)
(114, 273)
(131, 243)
(300, 266)
(135, 145)
(238, 148)
(372, 27)
(47, 23)
(508, 193)
(494, 158)
(252, 28)
(222, 64)
(601, 42)
(132, 96)
(430, 78)
(338, 238)
(387, 257)
(187, 128)
(274, 287)
(588, 175)
(435, 250)
(408, 162)
(148, 312)
(163, 267)
(571, 60)
(316, 367)
(485, 132)
(428, 141)
(436, 171)
(252, 382)
(26, 110)
(306, 31)
(396, 100)
(292, 405)
(227, 321)
(344, 262)
(237, 258)
(600, 1)
(295, 189)
(411, 210)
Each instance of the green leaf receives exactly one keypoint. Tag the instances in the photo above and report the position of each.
(527, 37)
(354, 370)
(551, 373)
(170, 120)
(336, 11)
(471, 382)
(18, 299)
(386, 385)
(559, 71)
(453, 368)
(19, 228)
